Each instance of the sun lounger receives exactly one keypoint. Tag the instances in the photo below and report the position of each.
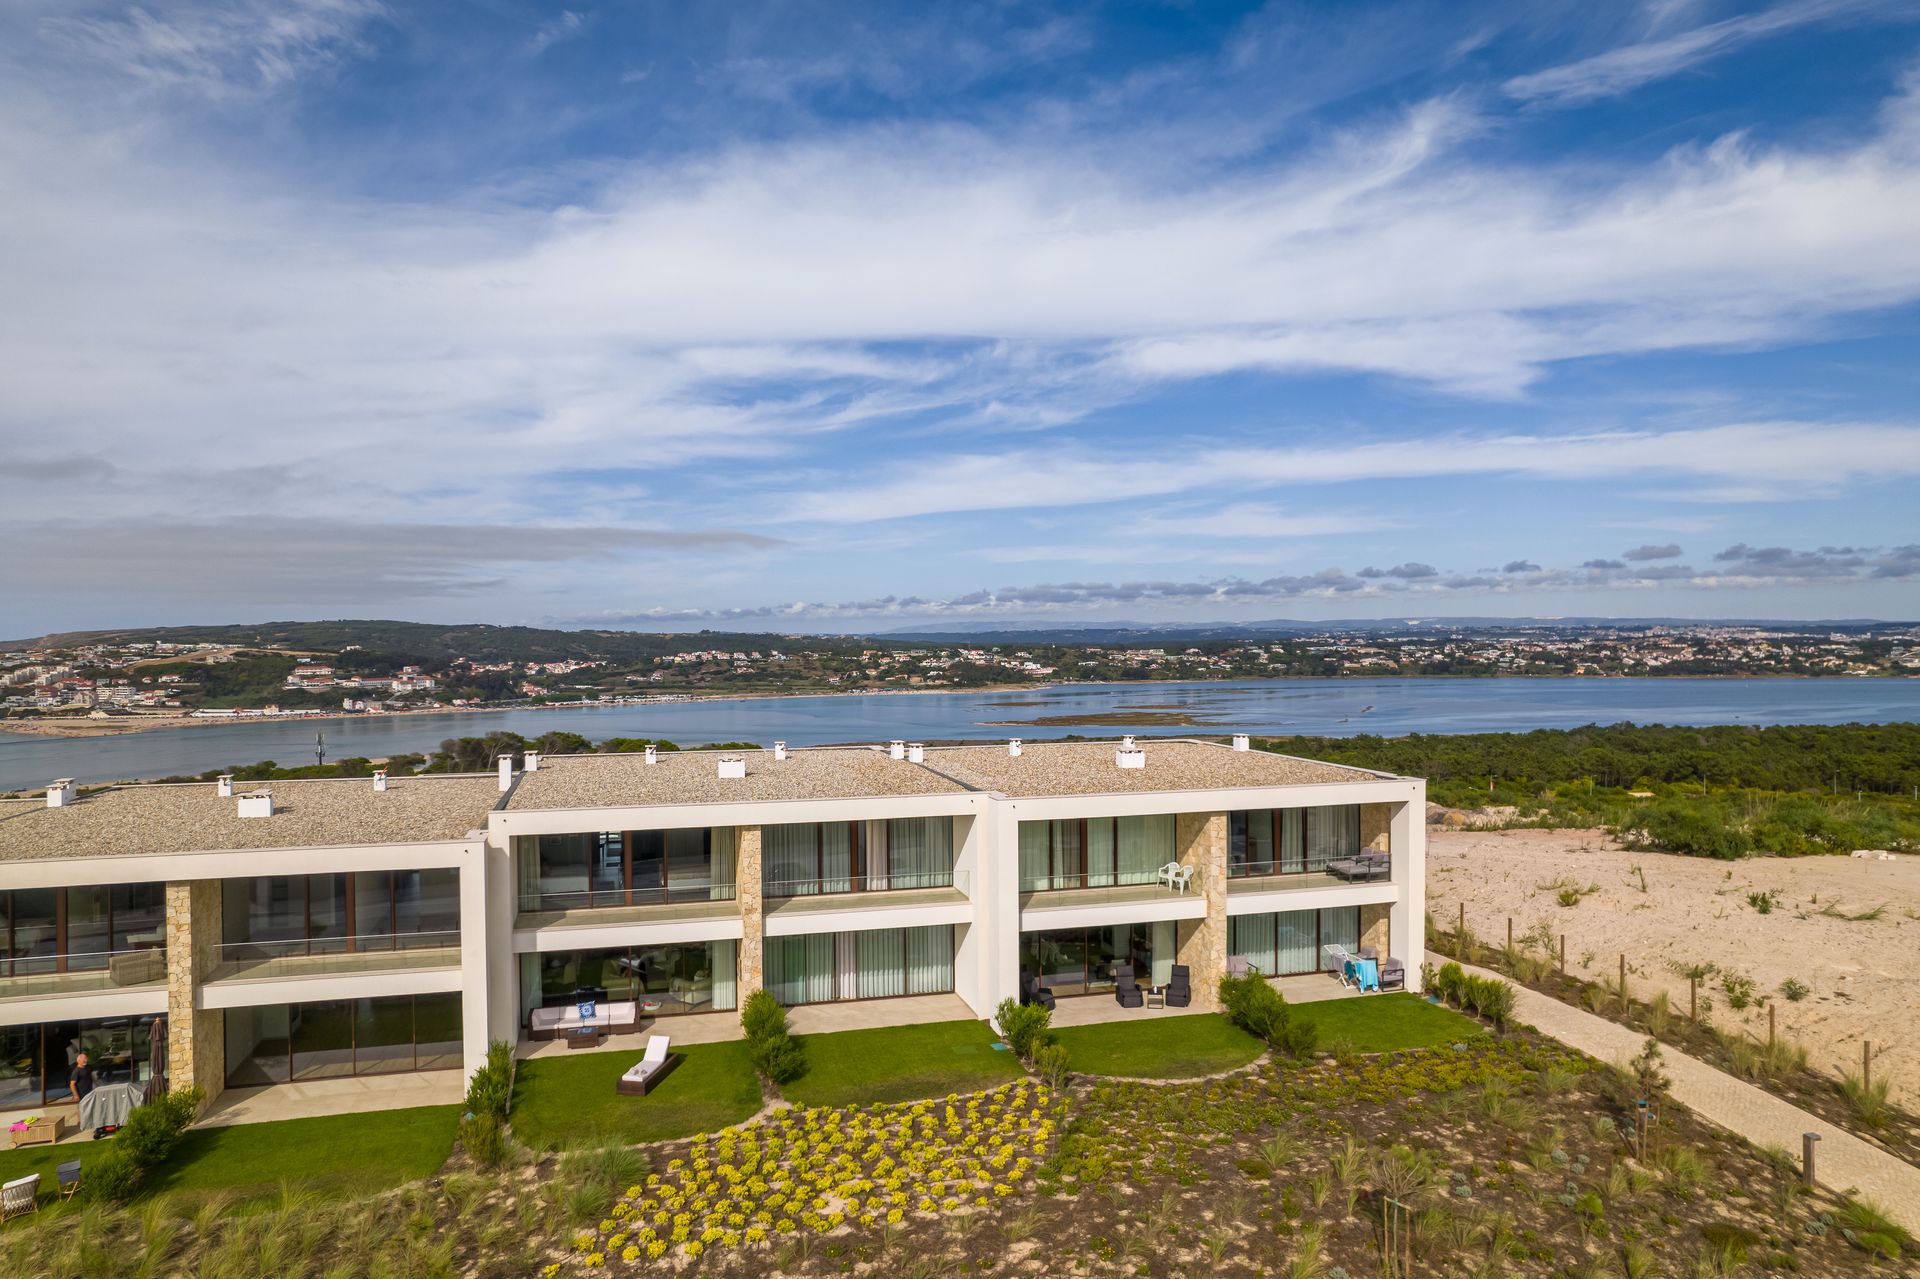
(649, 1070)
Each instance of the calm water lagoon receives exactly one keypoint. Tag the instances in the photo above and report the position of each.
(1334, 707)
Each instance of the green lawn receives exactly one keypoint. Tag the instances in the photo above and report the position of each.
(1163, 1048)
(1385, 1023)
(900, 1063)
(344, 1155)
(567, 1101)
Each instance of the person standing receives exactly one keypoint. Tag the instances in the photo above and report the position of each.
(80, 1082)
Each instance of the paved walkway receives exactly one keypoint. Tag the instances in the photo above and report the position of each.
(1841, 1162)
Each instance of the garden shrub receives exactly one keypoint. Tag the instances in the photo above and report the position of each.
(490, 1090)
(1024, 1027)
(485, 1138)
(1050, 1063)
(1262, 1012)
(143, 1143)
(774, 1052)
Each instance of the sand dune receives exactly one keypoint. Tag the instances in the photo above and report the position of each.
(1863, 976)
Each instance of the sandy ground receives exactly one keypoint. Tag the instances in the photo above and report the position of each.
(1864, 976)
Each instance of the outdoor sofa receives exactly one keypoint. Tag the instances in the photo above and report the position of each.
(620, 1017)
(1362, 866)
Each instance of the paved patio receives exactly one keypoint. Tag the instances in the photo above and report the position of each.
(807, 1019)
(312, 1098)
(1101, 1008)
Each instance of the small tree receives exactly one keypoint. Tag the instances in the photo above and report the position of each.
(774, 1052)
(1262, 1012)
(1024, 1026)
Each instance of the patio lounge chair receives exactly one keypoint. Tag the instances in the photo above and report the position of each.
(1039, 995)
(1126, 989)
(1179, 991)
(1393, 974)
(21, 1195)
(1361, 867)
(1237, 966)
(648, 1071)
(69, 1175)
(1176, 877)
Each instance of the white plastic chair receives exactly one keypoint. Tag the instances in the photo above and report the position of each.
(1176, 877)
(19, 1196)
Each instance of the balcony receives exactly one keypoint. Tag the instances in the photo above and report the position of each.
(618, 906)
(862, 892)
(1341, 872)
(324, 956)
(85, 973)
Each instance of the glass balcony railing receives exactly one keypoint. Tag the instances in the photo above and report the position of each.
(84, 971)
(838, 885)
(367, 952)
(616, 898)
(1055, 883)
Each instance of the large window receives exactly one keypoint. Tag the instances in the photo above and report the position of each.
(335, 1039)
(1094, 852)
(65, 930)
(35, 1059)
(1079, 961)
(684, 977)
(1289, 942)
(1291, 841)
(626, 868)
(275, 915)
(809, 858)
(878, 964)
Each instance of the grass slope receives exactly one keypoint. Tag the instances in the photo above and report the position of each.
(568, 1101)
(344, 1155)
(1387, 1023)
(1163, 1048)
(900, 1063)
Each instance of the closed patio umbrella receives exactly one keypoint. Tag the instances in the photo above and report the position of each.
(157, 1055)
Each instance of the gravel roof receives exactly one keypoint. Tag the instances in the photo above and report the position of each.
(693, 777)
(1088, 768)
(193, 817)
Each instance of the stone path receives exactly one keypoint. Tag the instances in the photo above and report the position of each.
(1842, 1161)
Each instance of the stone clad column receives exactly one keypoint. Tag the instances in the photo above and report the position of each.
(1201, 944)
(1375, 823)
(746, 870)
(196, 1037)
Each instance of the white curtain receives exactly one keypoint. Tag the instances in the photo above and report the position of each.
(529, 985)
(723, 870)
(1035, 847)
(846, 960)
(877, 857)
(800, 970)
(1340, 924)
(1163, 944)
(1293, 857)
(1333, 832)
(920, 852)
(792, 858)
(929, 953)
(721, 957)
(882, 963)
(1100, 853)
(1146, 844)
(1250, 937)
(526, 868)
(836, 857)
(1296, 948)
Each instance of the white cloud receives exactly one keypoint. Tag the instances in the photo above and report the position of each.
(1629, 66)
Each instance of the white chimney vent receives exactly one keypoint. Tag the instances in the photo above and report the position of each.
(733, 766)
(225, 784)
(917, 752)
(896, 750)
(779, 750)
(533, 761)
(1241, 742)
(1130, 756)
(379, 779)
(1013, 746)
(61, 793)
(653, 754)
(506, 772)
(257, 804)
(1126, 743)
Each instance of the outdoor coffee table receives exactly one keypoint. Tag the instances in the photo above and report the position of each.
(585, 1037)
(1156, 996)
(49, 1130)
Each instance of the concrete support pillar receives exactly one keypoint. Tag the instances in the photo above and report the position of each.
(753, 920)
(1407, 836)
(476, 1011)
(502, 908)
(1201, 944)
(196, 1037)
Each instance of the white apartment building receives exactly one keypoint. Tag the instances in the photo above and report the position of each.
(266, 934)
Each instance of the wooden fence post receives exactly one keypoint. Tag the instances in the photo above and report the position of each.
(1460, 935)
(1693, 999)
(1807, 1140)
(1866, 1063)
(1624, 1001)
(1509, 934)
(1563, 954)
(1769, 1027)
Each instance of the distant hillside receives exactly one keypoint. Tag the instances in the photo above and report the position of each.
(478, 641)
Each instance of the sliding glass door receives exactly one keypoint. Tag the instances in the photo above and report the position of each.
(1291, 841)
(811, 858)
(1287, 943)
(1094, 852)
(338, 1039)
(1079, 961)
(881, 963)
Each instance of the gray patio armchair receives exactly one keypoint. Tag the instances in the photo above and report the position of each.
(1393, 974)
(1125, 989)
(1180, 989)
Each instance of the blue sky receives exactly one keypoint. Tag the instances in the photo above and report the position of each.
(826, 316)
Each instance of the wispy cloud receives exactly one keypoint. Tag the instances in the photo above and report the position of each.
(1629, 66)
